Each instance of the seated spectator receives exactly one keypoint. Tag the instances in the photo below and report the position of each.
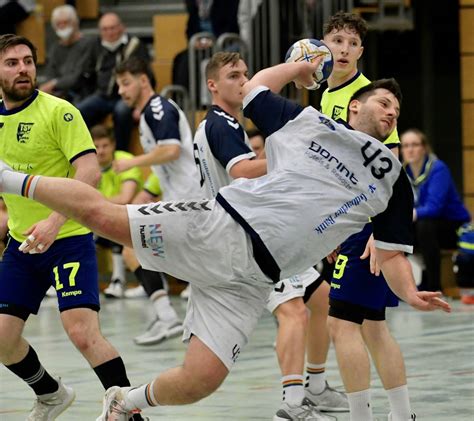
(439, 211)
(13, 12)
(117, 188)
(113, 47)
(66, 57)
(216, 17)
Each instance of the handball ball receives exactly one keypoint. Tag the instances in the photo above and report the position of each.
(308, 49)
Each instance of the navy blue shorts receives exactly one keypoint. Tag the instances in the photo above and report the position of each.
(70, 265)
(352, 282)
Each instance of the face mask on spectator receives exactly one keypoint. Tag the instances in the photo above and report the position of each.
(112, 46)
(65, 33)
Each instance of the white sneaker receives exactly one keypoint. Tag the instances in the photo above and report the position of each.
(137, 292)
(115, 289)
(186, 292)
(159, 331)
(113, 408)
(50, 405)
(329, 400)
(305, 412)
(412, 417)
(51, 292)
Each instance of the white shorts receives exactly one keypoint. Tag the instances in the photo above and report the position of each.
(199, 242)
(290, 288)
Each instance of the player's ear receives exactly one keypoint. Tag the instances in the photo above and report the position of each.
(361, 51)
(354, 106)
(211, 85)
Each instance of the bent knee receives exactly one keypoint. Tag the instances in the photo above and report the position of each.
(293, 311)
(81, 337)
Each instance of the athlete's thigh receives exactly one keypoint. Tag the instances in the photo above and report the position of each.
(73, 272)
(223, 317)
(195, 241)
(22, 283)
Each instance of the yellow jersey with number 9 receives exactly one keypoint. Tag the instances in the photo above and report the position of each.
(43, 136)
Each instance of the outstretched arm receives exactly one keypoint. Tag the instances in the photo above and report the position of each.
(397, 271)
(278, 76)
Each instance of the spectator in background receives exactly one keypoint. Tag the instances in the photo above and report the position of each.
(214, 16)
(247, 11)
(438, 211)
(67, 57)
(117, 188)
(113, 47)
(13, 12)
(257, 142)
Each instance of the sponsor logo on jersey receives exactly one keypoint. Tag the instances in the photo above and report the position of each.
(68, 117)
(1, 125)
(336, 112)
(23, 132)
(151, 236)
(327, 122)
(342, 210)
(331, 162)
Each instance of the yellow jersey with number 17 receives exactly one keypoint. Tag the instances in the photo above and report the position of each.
(43, 136)
(334, 103)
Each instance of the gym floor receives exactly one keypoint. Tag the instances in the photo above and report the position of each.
(438, 350)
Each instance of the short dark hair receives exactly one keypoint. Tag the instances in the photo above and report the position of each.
(11, 40)
(368, 90)
(219, 60)
(99, 131)
(135, 66)
(342, 19)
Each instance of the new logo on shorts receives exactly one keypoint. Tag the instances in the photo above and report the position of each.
(23, 132)
(151, 236)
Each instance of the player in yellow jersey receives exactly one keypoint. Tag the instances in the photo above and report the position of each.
(118, 188)
(358, 297)
(44, 134)
(344, 34)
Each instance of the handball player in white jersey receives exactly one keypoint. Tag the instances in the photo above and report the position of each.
(324, 180)
(223, 154)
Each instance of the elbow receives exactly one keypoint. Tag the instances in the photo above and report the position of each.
(174, 154)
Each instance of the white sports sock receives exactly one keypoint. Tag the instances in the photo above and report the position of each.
(399, 403)
(316, 378)
(118, 267)
(18, 183)
(162, 305)
(359, 405)
(293, 390)
(141, 397)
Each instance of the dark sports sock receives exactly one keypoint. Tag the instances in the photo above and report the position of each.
(152, 281)
(33, 373)
(112, 373)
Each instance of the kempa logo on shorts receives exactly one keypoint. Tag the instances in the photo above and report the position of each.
(158, 208)
(152, 239)
(71, 293)
(23, 132)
